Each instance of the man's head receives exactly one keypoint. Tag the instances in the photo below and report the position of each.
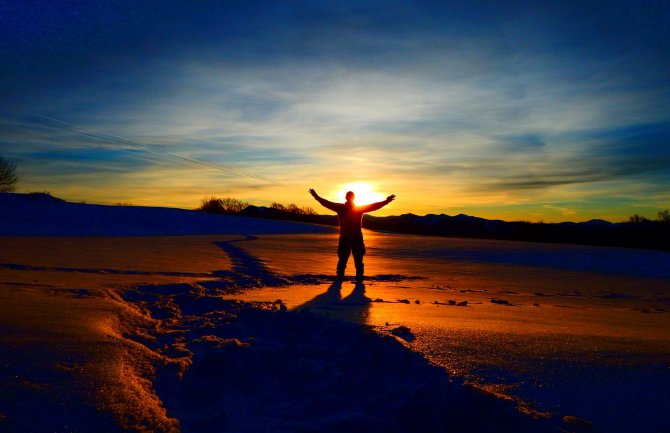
(350, 196)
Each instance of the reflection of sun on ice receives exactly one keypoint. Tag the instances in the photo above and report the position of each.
(365, 193)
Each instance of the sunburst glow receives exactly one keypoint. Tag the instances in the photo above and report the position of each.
(365, 192)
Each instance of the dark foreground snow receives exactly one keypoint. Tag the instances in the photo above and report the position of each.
(241, 367)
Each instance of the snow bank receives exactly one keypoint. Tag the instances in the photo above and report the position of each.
(67, 366)
(42, 215)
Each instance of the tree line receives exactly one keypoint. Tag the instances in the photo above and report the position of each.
(233, 206)
(663, 216)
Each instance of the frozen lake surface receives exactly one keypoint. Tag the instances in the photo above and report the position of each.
(562, 329)
(559, 329)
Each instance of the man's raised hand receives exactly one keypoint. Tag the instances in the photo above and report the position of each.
(390, 198)
(314, 194)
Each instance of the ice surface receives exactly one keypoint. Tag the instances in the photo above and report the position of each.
(562, 335)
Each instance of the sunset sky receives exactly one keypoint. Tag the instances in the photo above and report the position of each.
(524, 110)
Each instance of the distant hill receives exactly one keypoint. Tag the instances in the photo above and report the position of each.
(39, 214)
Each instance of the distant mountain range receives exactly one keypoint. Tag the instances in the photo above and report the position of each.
(41, 214)
(644, 234)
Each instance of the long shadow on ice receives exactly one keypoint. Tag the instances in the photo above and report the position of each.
(253, 369)
(355, 307)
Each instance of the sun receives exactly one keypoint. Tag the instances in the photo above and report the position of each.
(365, 192)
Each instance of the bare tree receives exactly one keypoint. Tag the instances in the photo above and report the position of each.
(636, 219)
(8, 177)
(224, 205)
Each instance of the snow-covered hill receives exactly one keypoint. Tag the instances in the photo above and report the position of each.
(39, 214)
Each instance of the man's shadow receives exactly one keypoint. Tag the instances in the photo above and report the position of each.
(355, 307)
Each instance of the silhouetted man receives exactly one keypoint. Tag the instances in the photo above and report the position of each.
(350, 218)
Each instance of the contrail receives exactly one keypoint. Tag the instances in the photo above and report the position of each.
(129, 144)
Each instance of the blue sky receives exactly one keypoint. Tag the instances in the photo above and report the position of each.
(514, 110)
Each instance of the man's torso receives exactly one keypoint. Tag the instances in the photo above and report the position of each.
(350, 220)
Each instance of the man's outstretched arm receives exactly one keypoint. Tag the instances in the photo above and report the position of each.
(380, 204)
(325, 203)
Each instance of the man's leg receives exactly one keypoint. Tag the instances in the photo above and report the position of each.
(343, 251)
(358, 249)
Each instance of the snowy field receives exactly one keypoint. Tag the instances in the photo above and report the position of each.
(238, 325)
